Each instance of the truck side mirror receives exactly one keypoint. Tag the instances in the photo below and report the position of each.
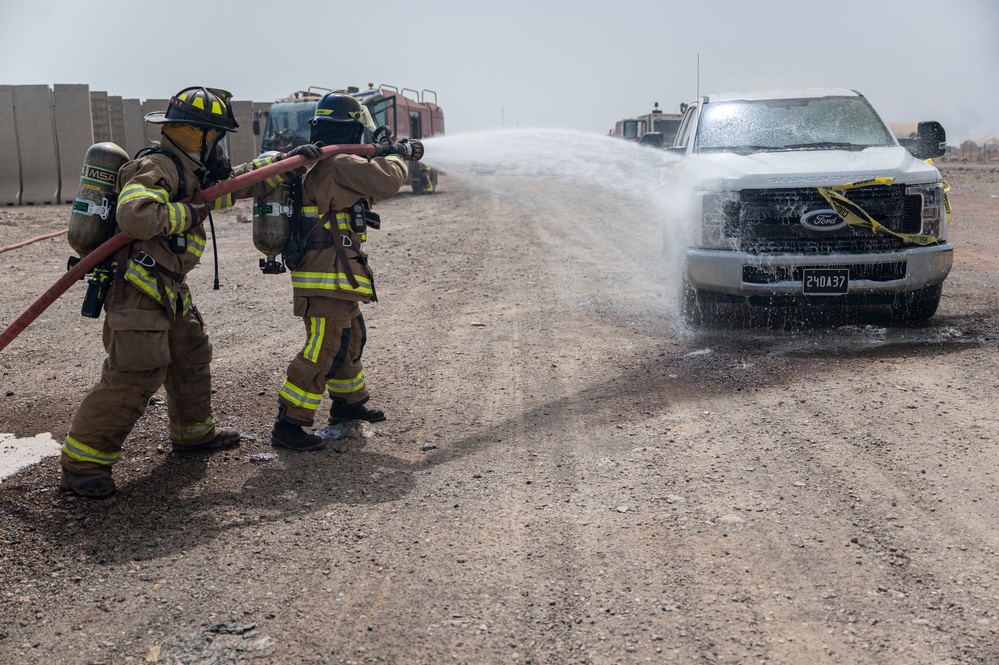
(256, 127)
(931, 140)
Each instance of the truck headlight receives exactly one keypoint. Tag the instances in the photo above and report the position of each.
(932, 212)
(713, 215)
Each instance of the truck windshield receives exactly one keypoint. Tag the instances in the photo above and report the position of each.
(667, 127)
(288, 125)
(821, 123)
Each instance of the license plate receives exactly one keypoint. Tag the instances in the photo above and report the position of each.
(825, 281)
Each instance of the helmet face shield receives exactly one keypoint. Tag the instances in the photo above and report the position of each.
(367, 120)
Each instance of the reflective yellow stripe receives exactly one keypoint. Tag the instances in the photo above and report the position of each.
(310, 211)
(343, 223)
(263, 161)
(274, 180)
(177, 213)
(137, 191)
(195, 244)
(85, 453)
(195, 430)
(142, 279)
(298, 397)
(346, 386)
(317, 330)
(330, 281)
(222, 202)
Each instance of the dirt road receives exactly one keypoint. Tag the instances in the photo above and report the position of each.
(566, 475)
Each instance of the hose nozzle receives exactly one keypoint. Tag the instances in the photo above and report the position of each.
(417, 152)
(410, 150)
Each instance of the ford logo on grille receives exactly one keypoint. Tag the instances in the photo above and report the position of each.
(822, 220)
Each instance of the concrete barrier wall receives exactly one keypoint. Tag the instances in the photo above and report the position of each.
(74, 134)
(241, 145)
(36, 139)
(10, 168)
(45, 134)
(135, 136)
(101, 116)
(117, 114)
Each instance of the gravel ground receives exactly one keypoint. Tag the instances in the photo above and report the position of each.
(567, 475)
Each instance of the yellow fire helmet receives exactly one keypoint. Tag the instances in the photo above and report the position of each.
(208, 108)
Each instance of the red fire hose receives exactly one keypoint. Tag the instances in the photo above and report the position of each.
(28, 242)
(117, 242)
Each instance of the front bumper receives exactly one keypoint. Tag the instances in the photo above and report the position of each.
(764, 277)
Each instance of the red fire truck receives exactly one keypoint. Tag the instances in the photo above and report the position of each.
(408, 113)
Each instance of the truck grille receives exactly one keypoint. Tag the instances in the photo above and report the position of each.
(768, 221)
(875, 272)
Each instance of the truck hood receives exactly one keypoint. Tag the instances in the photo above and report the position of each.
(800, 168)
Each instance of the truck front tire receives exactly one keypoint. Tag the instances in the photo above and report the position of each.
(918, 305)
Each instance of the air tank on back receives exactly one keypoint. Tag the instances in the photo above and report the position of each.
(88, 225)
(272, 226)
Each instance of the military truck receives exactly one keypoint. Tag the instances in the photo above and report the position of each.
(656, 122)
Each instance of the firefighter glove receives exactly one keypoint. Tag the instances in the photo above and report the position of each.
(309, 151)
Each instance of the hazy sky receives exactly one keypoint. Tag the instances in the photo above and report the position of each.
(525, 64)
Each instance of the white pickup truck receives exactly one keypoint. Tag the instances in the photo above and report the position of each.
(804, 197)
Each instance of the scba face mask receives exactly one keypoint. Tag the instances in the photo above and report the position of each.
(218, 164)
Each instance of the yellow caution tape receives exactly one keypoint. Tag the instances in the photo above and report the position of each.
(857, 216)
(864, 183)
(947, 201)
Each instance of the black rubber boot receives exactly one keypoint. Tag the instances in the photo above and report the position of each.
(293, 437)
(341, 412)
(224, 439)
(90, 485)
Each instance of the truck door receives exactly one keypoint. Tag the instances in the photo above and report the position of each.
(415, 125)
(383, 113)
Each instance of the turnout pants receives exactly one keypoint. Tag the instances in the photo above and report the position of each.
(146, 350)
(331, 360)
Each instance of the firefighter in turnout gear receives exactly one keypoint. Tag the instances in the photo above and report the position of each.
(333, 278)
(153, 334)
